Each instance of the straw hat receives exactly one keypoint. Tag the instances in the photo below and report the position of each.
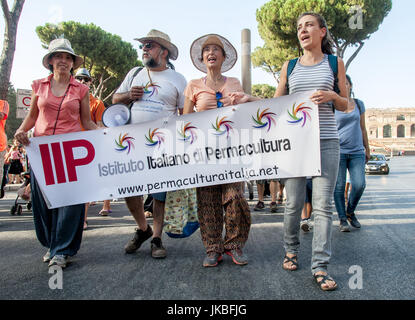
(61, 45)
(198, 45)
(162, 39)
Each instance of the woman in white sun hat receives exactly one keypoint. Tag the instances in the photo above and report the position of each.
(213, 54)
(59, 104)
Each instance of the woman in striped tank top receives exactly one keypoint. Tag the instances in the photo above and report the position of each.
(313, 72)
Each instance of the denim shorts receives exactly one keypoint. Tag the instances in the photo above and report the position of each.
(160, 196)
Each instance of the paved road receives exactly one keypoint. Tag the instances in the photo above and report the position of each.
(383, 251)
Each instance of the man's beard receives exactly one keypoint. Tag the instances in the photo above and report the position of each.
(151, 62)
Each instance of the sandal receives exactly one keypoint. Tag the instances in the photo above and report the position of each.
(148, 214)
(280, 200)
(322, 279)
(293, 260)
(85, 225)
(104, 213)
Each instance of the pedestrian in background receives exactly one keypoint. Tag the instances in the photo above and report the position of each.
(354, 153)
(97, 108)
(4, 113)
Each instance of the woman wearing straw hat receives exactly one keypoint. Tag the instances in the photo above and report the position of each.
(59, 104)
(213, 54)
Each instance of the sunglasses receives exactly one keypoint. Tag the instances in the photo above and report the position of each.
(85, 79)
(219, 104)
(148, 45)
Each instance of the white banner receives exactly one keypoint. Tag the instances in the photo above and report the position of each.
(23, 98)
(272, 138)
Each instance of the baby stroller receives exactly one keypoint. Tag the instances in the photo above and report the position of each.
(24, 193)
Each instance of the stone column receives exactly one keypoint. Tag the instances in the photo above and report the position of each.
(246, 61)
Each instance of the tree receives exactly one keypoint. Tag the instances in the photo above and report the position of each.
(106, 56)
(350, 22)
(11, 19)
(12, 123)
(272, 56)
(263, 91)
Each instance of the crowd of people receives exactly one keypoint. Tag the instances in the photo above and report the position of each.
(61, 103)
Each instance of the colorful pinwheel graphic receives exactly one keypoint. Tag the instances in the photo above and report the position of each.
(124, 143)
(222, 126)
(261, 123)
(187, 132)
(154, 138)
(299, 114)
(151, 88)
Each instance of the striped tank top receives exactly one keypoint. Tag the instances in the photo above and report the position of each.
(317, 77)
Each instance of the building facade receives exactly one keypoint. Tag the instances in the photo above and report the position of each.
(391, 129)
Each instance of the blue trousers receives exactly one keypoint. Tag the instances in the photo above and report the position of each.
(355, 163)
(58, 229)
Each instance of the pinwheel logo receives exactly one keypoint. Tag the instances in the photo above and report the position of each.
(154, 138)
(124, 143)
(188, 132)
(264, 119)
(222, 126)
(151, 88)
(299, 114)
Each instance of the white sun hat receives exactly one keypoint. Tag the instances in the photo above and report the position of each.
(61, 45)
(198, 45)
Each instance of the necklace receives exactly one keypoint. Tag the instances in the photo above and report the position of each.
(215, 82)
(151, 81)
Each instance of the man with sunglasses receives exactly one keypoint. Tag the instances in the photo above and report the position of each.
(155, 92)
(96, 108)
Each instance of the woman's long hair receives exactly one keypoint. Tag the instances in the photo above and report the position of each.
(351, 93)
(327, 42)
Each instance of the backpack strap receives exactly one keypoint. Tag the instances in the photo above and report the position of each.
(334, 65)
(137, 71)
(291, 65)
(358, 105)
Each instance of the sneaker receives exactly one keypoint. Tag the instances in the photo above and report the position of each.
(344, 226)
(59, 260)
(212, 259)
(260, 206)
(157, 249)
(46, 257)
(138, 239)
(353, 220)
(238, 257)
(273, 207)
(306, 225)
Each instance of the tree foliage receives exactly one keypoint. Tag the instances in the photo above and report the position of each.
(350, 22)
(106, 56)
(11, 19)
(12, 123)
(272, 56)
(263, 91)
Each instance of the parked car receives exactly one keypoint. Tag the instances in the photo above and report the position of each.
(377, 164)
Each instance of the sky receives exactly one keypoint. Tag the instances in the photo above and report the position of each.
(378, 72)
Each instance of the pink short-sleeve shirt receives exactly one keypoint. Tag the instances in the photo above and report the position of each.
(70, 114)
(205, 98)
